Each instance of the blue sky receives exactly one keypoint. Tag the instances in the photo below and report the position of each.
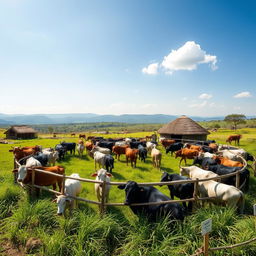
(116, 57)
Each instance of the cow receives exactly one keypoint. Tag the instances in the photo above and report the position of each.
(72, 188)
(73, 134)
(42, 158)
(204, 162)
(142, 153)
(109, 163)
(235, 138)
(166, 142)
(20, 153)
(102, 175)
(99, 158)
(182, 191)
(80, 149)
(105, 151)
(174, 147)
(61, 151)
(222, 170)
(150, 145)
(88, 146)
(156, 156)
(105, 144)
(119, 150)
(234, 154)
(186, 153)
(195, 172)
(82, 136)
(207, 149)
(227, 162)
(135, 144)
(53, 155)
(213, 146)
(131, 154)
(147, 194)
(41, 179)
(70, 146)
(192, 147)
(120, 143)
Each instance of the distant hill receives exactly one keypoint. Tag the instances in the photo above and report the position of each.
(92, 118)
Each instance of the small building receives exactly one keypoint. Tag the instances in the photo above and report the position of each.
(20, 132)
(183, 129)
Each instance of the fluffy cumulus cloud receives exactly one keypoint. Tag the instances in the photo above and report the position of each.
(243, 95)
(205, 96)
(187, 57)
(151, 69)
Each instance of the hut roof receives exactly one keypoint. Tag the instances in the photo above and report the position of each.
(22, 129)
(183, 126)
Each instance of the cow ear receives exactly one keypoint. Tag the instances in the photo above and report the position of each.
(141, 189)
(94, 174)
(15, 170)
(109, 174)
(121, 186)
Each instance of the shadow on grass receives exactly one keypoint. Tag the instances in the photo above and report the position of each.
(118, 176)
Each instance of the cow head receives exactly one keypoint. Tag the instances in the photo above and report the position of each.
(165, 177)
(22, 173)
(62, 202)
(184, 171)
(132, 191)
(101, 175)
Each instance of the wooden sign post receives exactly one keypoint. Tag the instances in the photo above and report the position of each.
(206, 228)
(254, 209)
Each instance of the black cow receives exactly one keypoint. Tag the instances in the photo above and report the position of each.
(222, 170)
(106, 144)
(70, 146)
(109, 163)
(61, 150)
(135, 144)
(174, 147)
(248, 157)
(182, 191)
(142, 153)
(207, 149)
(204, 162)
(42, 158)
(146, 194)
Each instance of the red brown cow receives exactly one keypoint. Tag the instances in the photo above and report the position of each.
(119, 150)
(73, 134)
(194, 147)
(82, 136)
(186, 153)
(131, 154)
(19, 153)
(214, 146)
(41, 179)
(227, 162)
(236, 138)
(88, 145)
(166, 142)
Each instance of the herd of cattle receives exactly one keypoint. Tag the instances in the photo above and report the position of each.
(210, 161)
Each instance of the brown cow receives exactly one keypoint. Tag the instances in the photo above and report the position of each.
(19, 153)
(88, 145)
(186, 153)
(214, 146)
(119, 150)
(191, 146)
(82, 136)
(131, 154)
(227, 162)
(236, 138)
(166, 142)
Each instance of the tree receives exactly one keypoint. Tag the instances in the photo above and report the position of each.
(235, 119)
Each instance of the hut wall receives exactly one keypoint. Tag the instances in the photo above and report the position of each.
(185, 138)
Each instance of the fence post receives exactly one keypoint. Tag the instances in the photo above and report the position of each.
(63, 184)
(195, 195)
(15, 174)
(206, 244)
(102, 206)
(237, 179)
(33, 180)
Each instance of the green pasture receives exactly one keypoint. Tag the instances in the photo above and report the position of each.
(120, 232)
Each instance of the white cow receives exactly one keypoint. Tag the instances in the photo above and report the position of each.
(72, 188)
(121, 143)
(234, 155)
(22, 171)
(80, 149)
(156, 157)
(99, 158)
(102, 175)
(206, 154)
(52, 155)
(195, 172)
(105, 151)
(128, 140)
(150, 146)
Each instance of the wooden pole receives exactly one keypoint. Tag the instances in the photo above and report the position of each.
(102, 206)
(15, 173)
(206, 244)
(63, 184)
(33, 181)
(195, 195)
(237, 179)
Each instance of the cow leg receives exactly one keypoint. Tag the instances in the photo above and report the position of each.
(126, 160)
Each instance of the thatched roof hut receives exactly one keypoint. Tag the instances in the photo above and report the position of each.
(21, 132)
(183, 128)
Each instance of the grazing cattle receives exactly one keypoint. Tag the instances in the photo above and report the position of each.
(147, 138)
(80, 149)
(213, 146)
(207, 149)
(102, 175)
(88, 146)
(166, 142)
(186, 153)
(61, 151)
(119, 150)
(174, 147)
(206, 154)
(135, 144)
(20, 153)
(235, 138)
(73, 134)
(150, 145)
(227, 162)
(42, 158)
(232, 155)
(99, 158)
(142, 153)
(109, 163)
(222, 170)
(90, 137)
(192, 147)
(106, 144)
(105, 151)
(128, 140)
(156, 158)
(131, 154)
(41, 179)
(70, 146)
(182, 191)
(72, 188)
(82, 136)
(204, 162)
(120, 143)
(147, 194)
(195, 172)
(53, 155)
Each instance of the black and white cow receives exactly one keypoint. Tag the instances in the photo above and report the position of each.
(109, 163)
(174, 147)
(70, 146)
(142, 153)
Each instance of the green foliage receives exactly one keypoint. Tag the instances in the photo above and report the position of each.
(235, 119)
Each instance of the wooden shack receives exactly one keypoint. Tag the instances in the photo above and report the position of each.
(16, 132)
(183, 129)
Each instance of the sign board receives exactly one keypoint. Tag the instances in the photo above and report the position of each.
(206, 226)
(254, 209)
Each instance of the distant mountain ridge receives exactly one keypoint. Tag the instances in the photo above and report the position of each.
(92, 118)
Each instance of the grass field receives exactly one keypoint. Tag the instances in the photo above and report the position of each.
(119, 232)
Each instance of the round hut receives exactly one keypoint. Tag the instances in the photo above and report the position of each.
(183, 129)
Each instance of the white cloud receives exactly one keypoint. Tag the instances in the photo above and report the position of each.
(151, 69)
(184, 98)
(149, 106)
(198, 105)
(187, 57)
(205, 96)
(243, 95)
